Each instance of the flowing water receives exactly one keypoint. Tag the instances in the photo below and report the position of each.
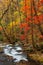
(16, 52)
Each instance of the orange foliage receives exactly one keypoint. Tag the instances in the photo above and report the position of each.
(0, 28)
(41, 17)
(23, 25)
(22, 37)
(27, 19)
(41, 1)
(26, 28)
(25, 8)
(38, 19)
(41, 36)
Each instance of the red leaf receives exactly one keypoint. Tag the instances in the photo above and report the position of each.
(22, 37)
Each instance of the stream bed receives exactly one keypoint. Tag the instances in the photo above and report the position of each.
(14, 55)
(16, 52)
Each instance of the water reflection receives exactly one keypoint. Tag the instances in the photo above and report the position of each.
(16, 52)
